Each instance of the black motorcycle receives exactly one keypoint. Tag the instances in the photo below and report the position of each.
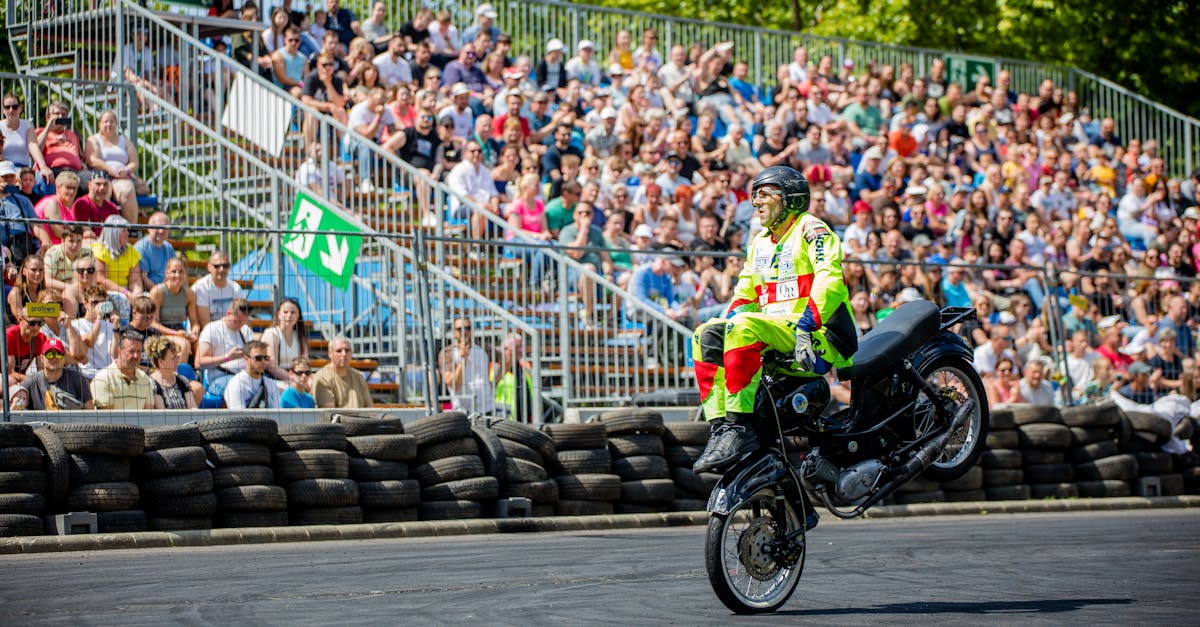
(918, 407)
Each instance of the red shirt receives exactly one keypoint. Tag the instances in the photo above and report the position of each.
(23, 350)
(86, 211)
(62, 150)
(498, 126)
(1120, 361)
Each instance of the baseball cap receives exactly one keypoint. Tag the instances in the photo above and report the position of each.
(608, 113)
(1108, 321)
(616, 69)
(643, 230)
(54, 344)
(908, 295)
(486, 10)
(916, 190)
(873, 153)
(585, 43)
(1191, 214)
(922, 240)
(459, 89)
(1078, 300)
(512, 73)
(848, 63)
(554, 45)
(674, 260)
(7, 168)
(1139, 367)
(861, 206)
(819, 173)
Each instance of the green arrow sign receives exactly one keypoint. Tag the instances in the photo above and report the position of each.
(329, 256)
(965, 70)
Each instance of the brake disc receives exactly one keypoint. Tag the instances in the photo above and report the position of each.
(753, 551)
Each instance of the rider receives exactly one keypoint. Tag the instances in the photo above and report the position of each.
(790, 297)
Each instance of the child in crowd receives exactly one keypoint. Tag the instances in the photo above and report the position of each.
(298, 393)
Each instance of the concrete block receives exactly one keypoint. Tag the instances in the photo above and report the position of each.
(74, 523)
(1148, 486)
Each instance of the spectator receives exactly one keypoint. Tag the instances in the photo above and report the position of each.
(470, 179)
(393, 68)
(443, 37)
(653, 284)
(171, 391)
(22, 238)
(465, 369)
(459, 111)
(28, 286)
(583, 66)
(341, 21)
(155, 250)
(19, 140)
(372, 119)
(176, 305)
(286, 338)
(298, 393)
(110, 152)
(60, 146)
(313, 176)
(1080, 375)
(1167, 365)
(58, 206)
(323, 91)
(24, 341)
(485, 22)
(55, 387)
(251, 388)
(999, 345)
(122, 385)
(1138, 388)
(375, 27)
(289, 64)
(221, 349)
(581, 233)
(60, 260)
(550, 74)
(337, 384)
(96, 332)
(1034, 388)
(1176, 320)
(1003, 387)
(117, 262)
(214, 291)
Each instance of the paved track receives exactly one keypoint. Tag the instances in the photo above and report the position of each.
(1094, 568)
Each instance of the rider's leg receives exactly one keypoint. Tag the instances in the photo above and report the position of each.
(708, 349)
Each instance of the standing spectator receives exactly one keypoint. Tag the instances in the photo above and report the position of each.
(286, 338)
(112, 153)
(21, 238)
(155, 250)
(171, 391)
(222, 349)
(339, 385)
(298, 394)
(54, 387)
(1078, 367)
(251, 388)
(514, 386)
(58, 206)
(116, 260)
(95, 205)
(122, 385)
(465, 370)
(96, 332)
(214, 291)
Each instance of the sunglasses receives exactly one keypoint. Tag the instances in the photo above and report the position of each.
(221, 266)
(325, 65)
(259, 357)
(53, 355)
(12, 107)
(244, 308)
(94, 303)
(462, 328)
(32, 323)
(302, 373)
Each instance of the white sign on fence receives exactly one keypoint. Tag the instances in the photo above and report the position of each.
(255, 113)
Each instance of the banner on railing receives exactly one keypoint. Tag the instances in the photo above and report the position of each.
(256, 114)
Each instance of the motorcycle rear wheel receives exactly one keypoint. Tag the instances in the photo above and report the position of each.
(747, 578)
(956, 377)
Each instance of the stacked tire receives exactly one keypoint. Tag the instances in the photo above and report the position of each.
(520, 458)
(1097, 430)
(175, 479)
(99, 463)
(454, 484)
(380, 453)
(1189, 464)
(683, 443)
(1148, 432)
(1044, 441)
(311, 463)
(583, 470)
(24, 482)
(1002, 463)
(239, 451)
(635, 442)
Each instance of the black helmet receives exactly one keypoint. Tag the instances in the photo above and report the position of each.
(789, 181)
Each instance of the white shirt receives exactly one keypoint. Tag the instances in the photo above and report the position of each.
(1081, 374)
(853, 233)
(443, 41)
(361, 114)
(392, 71)
(242, 388)
(656, 59)
(310, 175)
(797, 73)
(476, 393)
(464, 121)
(475, 183)
(222, 339)
(98, 356)
(217, 299)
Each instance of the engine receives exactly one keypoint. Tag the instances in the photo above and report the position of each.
(847, 486)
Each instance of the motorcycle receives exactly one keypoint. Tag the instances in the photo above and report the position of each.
(917, 408)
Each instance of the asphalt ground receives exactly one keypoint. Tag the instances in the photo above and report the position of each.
(1048, 568)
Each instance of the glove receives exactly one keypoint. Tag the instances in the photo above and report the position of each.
(805, 358)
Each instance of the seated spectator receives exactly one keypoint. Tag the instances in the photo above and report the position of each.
(1034, 387)
(286, 338)
(999, 345)
(96, 332)
(176, 303)
(110, 152)
(443, 37)
(325, 92)
(1003, 387)
(58, 206)
(298, 393)
(310, 174)
(60, 260)
(155, 250)
(55, 387)
(221, 349)
(1167, 364)
(19, 140)
(341, 21)
(28, 286)
(583, 234)
(122, 385)
(116, 260)
(375, 28)
(1138, 388)
(251, 388)
(171, 391)
(24, 343)
(339, 385)
(459, 110)
(472, 180)
(60, 146)
(372, 119)
(393, 68)
(95, 206)
(289, 64)
(215, 291)
(22, 238)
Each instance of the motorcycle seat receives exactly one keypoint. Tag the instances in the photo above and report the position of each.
(895, 338)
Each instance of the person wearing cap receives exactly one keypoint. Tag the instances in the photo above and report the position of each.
(790, 297)
(459, 110)
(854, 239)
(55, 387)
(21, 238)
(485, 21)
(550, 74)
(602, 140)
(1138, 388)
(583, 66)
(868, 181)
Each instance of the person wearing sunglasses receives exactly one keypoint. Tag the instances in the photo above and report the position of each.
(55, 387)
(96, 331)
(222, 349)
(24, 342)
(298, 393)
(214, 291)
(252, 388)
(465, 366)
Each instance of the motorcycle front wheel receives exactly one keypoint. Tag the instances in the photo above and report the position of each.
(750, 566)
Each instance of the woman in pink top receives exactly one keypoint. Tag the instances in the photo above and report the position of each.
(528, 212)
(58, 206)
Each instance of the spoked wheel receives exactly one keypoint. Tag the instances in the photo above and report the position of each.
(752, 563)
(956, 381)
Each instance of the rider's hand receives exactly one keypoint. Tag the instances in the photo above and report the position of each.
(806, 359)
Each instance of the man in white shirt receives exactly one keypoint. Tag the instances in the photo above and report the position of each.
(1000, 345)
(1079, 364)
(214, 291)
(460, 111)
(676, 77)
(370, 118)
(471, 179)
(222, 346)
(583, 65)
(310, 175)
(464, 367)
(250, 388)
(798, 68)
(392, 66)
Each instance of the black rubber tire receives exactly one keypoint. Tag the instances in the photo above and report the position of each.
(589, 487)
(179, 485)
(1152, 423)
(1083, 436)
(103, 497)
(542, 511)
(997, 477)
(1007, 493)
(389, 494)
(193, 506)
(491, 452)
(920, 484)
(575, 507)
(447, 448)
(1027, 414)
(448, 469)
(1053, 491)
(686, 433)
(163, 523)
(971, 480)
(629, 507)
(1184, 429)
(312, 464)
(14, 525)
(346, 515)
(23, 503)
(377, 470)
(449, 510)
(641, 467)
(311, 436)
(1170, 485)
(688, 482)
(1003, 439)
(1103, 489)
(632, 420)
(473, 489)
(1044, 435)
(21, 458)
(595, 461)
(1036, 456)
(964, 496)
(683, 455)
(527, 435)
(98, 438)
(520, 451)
(16, 434)
(522, 471)
(87, 468)
(358, 425)
(322, 493)
(1102, 414)
(173, 461)
(252, 498)
(172, 436)
(1001, 419)
(1149, 464)
(58, 468)
(239, 429)
(124, 521)
(1091, 452)
(540, 492)
(1049, 473)
(688, 505)
(244, 520)
(912, 498)
(231, 476)
(223, 454)
(1001, 458)
(1115, 468)
(396, 447)
(30, 481)
(436, 428)
(1143, 442)
(395, 515)
(635, 445)
(577, 436)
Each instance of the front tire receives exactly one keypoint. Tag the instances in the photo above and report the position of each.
(957, 379)
(743, 566)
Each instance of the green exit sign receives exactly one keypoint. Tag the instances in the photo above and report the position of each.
(330, 256)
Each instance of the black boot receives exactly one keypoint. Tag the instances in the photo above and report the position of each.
(731, 439)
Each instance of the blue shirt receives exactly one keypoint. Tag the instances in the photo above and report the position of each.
(956, 295)
(866, 181)
(154, 259)
(14, 206)
(656, 290)
(295, 399)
